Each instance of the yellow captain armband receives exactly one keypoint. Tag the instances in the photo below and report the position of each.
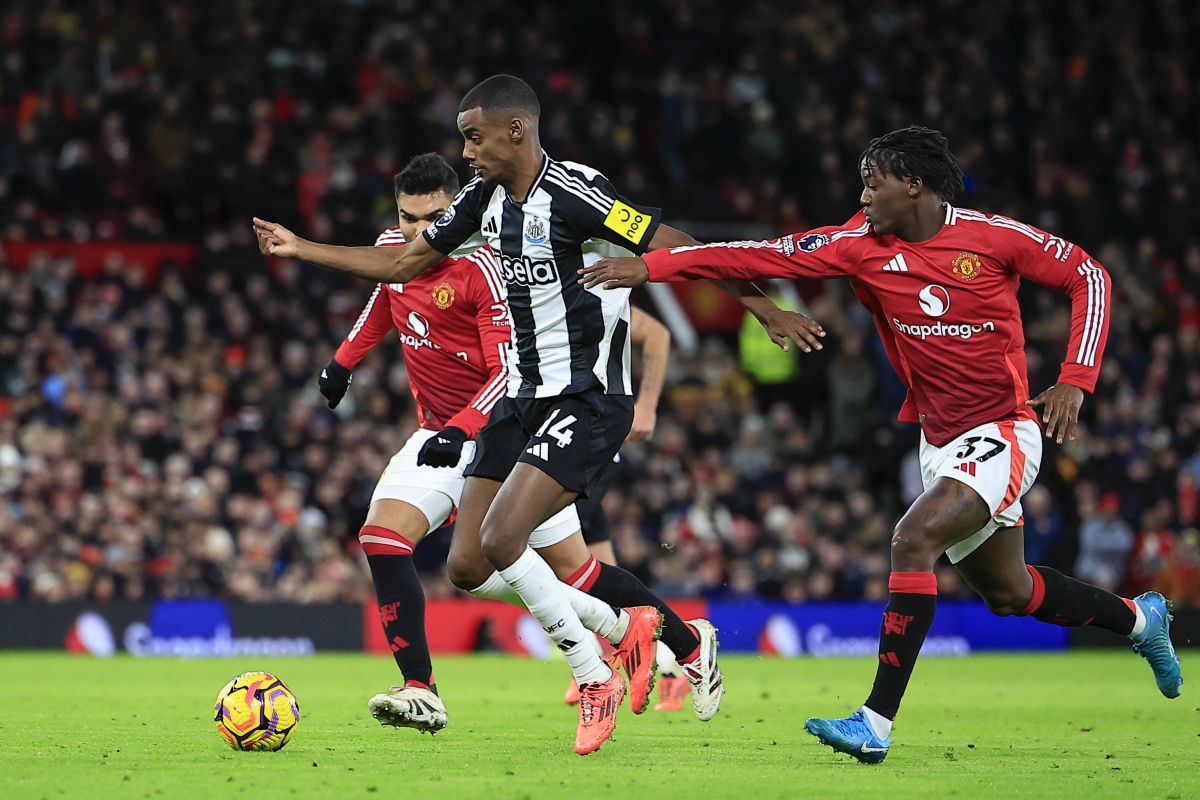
(627, 222)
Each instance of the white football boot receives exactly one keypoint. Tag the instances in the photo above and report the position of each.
(703, 674)
(409, 707)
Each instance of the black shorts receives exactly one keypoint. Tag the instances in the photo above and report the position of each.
(592, 519)
(571, 438)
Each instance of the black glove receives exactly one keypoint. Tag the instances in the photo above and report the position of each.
(334, 381)
(443, 449)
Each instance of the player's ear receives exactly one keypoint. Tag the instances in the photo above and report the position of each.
(915, 184)
(516, 130)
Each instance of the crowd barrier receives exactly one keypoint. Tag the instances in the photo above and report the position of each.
(199, 628)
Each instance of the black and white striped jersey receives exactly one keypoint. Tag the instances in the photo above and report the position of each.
(565, 338)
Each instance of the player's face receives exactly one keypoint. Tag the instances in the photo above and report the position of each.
(418, 211)
(885, 199)
(487, 143)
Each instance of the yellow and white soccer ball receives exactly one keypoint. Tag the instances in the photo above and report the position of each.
(256, 711)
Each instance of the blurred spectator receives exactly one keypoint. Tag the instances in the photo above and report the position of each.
(165, 438)
(1104, 544)
(1180, 576)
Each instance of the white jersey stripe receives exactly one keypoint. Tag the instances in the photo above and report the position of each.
(771, 244)
(389, 542)
(553, 178)
(861, 230)
(491, 273)
(366, 312)
(1096, 312)
(1094, 322)
(495, 390)
(560, 172)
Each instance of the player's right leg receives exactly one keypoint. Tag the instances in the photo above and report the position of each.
(393, 528)
(996, 569)
(409, 502)
(947, 512)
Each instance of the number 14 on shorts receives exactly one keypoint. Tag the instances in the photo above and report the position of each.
(559, 429)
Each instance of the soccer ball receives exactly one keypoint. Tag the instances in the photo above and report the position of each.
(256, 711)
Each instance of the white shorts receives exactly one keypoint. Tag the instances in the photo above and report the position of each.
(999, 460)
(436, 491)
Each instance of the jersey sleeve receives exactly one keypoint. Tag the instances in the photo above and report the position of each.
(373, 323)
(819, 253)
(1058, 264)
(598, 211)
(375, 320)
(461, 221)
(492, 319)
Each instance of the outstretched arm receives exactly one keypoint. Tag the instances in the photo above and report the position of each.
(782, 326)
(378, 264)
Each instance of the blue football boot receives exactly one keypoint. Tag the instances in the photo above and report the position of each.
(852, 735)
(1154, 644)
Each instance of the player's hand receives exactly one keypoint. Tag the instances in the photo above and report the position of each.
(1060, 410)
(443, 449)
(644, 420)
(275, 240)
(785, 327)
(614, 273)
(334, 381)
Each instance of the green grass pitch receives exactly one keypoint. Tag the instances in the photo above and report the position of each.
(1062, 726)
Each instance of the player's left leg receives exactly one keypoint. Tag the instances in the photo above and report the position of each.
(996, 569)
(526, 498)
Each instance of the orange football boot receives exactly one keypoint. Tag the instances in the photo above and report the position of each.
(598, 704)
(638, 653)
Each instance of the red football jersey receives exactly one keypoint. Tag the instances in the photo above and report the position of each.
(454, 324)
(946, 308)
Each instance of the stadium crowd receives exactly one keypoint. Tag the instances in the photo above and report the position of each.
(164, 437)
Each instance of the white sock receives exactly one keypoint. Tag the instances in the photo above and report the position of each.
(596, 615)
(667, 664)
(1139, 622)
(879, 723)
(544, 596)
(495, 588)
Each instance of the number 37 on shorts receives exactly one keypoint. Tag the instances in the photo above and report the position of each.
(999, 460)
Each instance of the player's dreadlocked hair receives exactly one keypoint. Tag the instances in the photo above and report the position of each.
(426, 174)
(502, 93)
(916, 152)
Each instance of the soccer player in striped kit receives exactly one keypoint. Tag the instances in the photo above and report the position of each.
(941, 283)
(453, 324)
(568, 407)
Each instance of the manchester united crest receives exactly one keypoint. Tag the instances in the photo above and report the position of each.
(966, 266)
(443, 295)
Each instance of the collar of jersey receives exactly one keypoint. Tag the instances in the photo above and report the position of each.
(533, 186)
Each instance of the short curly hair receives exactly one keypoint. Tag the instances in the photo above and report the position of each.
(916, 152)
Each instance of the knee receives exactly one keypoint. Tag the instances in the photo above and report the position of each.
(1005, 601)
(467, 573)
(913, 545)
(492, 542)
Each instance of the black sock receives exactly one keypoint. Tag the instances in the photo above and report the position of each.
(619, 588)
(910, 609)
(401, 601)
(1060, 600)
